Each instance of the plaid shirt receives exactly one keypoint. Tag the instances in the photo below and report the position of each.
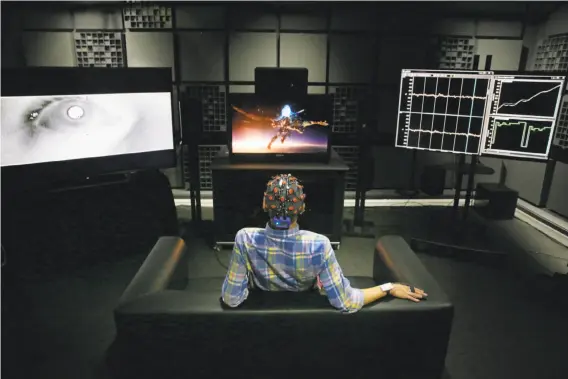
(287, 260)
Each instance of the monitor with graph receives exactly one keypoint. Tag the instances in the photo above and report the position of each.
(479, 112)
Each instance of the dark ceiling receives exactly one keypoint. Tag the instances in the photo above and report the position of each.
(500, 10)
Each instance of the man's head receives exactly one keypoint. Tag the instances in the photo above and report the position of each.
(284, 200)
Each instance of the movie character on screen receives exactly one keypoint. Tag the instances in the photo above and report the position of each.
(287, 123)
(281, 257)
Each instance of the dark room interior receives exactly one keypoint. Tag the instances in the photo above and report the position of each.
(430, 138)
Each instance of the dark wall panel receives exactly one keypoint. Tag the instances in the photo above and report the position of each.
(202, 56)
(200, 16)
(351, 59)
(558, 199)
(44, 18)
(150, 49)
(304, 50)
(348, 18)
(311, 22)
(248, 51)
(397, 53)
(249, 18)
(54, 49)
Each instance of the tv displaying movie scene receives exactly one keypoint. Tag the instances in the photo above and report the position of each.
(41, 129)
(265, 126)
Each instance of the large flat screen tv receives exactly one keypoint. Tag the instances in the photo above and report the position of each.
(67, 123)
(264, 129)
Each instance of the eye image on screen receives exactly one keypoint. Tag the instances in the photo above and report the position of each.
(285, 127)
(38, 129)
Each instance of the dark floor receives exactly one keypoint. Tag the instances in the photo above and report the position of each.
(504, 327)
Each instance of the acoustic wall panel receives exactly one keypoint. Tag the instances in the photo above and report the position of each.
(150, 49)
(200, 16)
(99, 49)
(305, 50)
(202, 56)
(206, 155)
(214, 109)
(350, 155)
(552, 54)
(455, 53)
(248, 51)
(346, 108)
(49, 49)
(139, 16)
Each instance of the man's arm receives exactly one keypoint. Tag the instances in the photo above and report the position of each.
(235, 286)
(337, 287)
(349, 300)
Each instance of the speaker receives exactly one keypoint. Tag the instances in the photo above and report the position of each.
(433, 180)
(494, 201)
(286, 83)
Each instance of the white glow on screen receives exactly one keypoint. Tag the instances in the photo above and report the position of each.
(38, 129)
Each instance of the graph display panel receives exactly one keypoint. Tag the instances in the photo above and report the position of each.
(443, 110)
(479, 113)
(523, 115)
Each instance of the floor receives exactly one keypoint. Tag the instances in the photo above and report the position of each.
(505, 326)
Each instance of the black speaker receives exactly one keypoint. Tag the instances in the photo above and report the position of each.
(433, 180)
(286, 83)
(495, 201)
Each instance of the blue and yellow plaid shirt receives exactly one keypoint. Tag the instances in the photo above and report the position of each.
(287, 260)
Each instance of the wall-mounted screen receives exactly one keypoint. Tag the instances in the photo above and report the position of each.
(479, 112)
(41, 129)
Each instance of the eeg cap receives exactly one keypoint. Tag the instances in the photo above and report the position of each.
(284, 196)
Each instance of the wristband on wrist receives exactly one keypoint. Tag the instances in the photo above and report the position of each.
(386, 287)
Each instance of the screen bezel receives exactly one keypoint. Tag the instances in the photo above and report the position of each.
(277, 157)
(49, 81)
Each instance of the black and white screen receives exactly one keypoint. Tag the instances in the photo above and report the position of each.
(39, 129)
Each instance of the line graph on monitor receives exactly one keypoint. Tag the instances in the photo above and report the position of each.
(526, 98)
(442, 112)
(514, 136)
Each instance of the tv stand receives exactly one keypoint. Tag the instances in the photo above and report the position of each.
(238, 189)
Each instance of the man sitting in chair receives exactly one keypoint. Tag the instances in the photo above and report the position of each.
(281, 257)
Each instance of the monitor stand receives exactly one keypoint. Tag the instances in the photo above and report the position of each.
(459, 233)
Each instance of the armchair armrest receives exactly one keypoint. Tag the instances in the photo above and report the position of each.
(166, 262)
(395, 261)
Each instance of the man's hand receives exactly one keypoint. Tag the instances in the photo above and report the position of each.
(405, 292)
